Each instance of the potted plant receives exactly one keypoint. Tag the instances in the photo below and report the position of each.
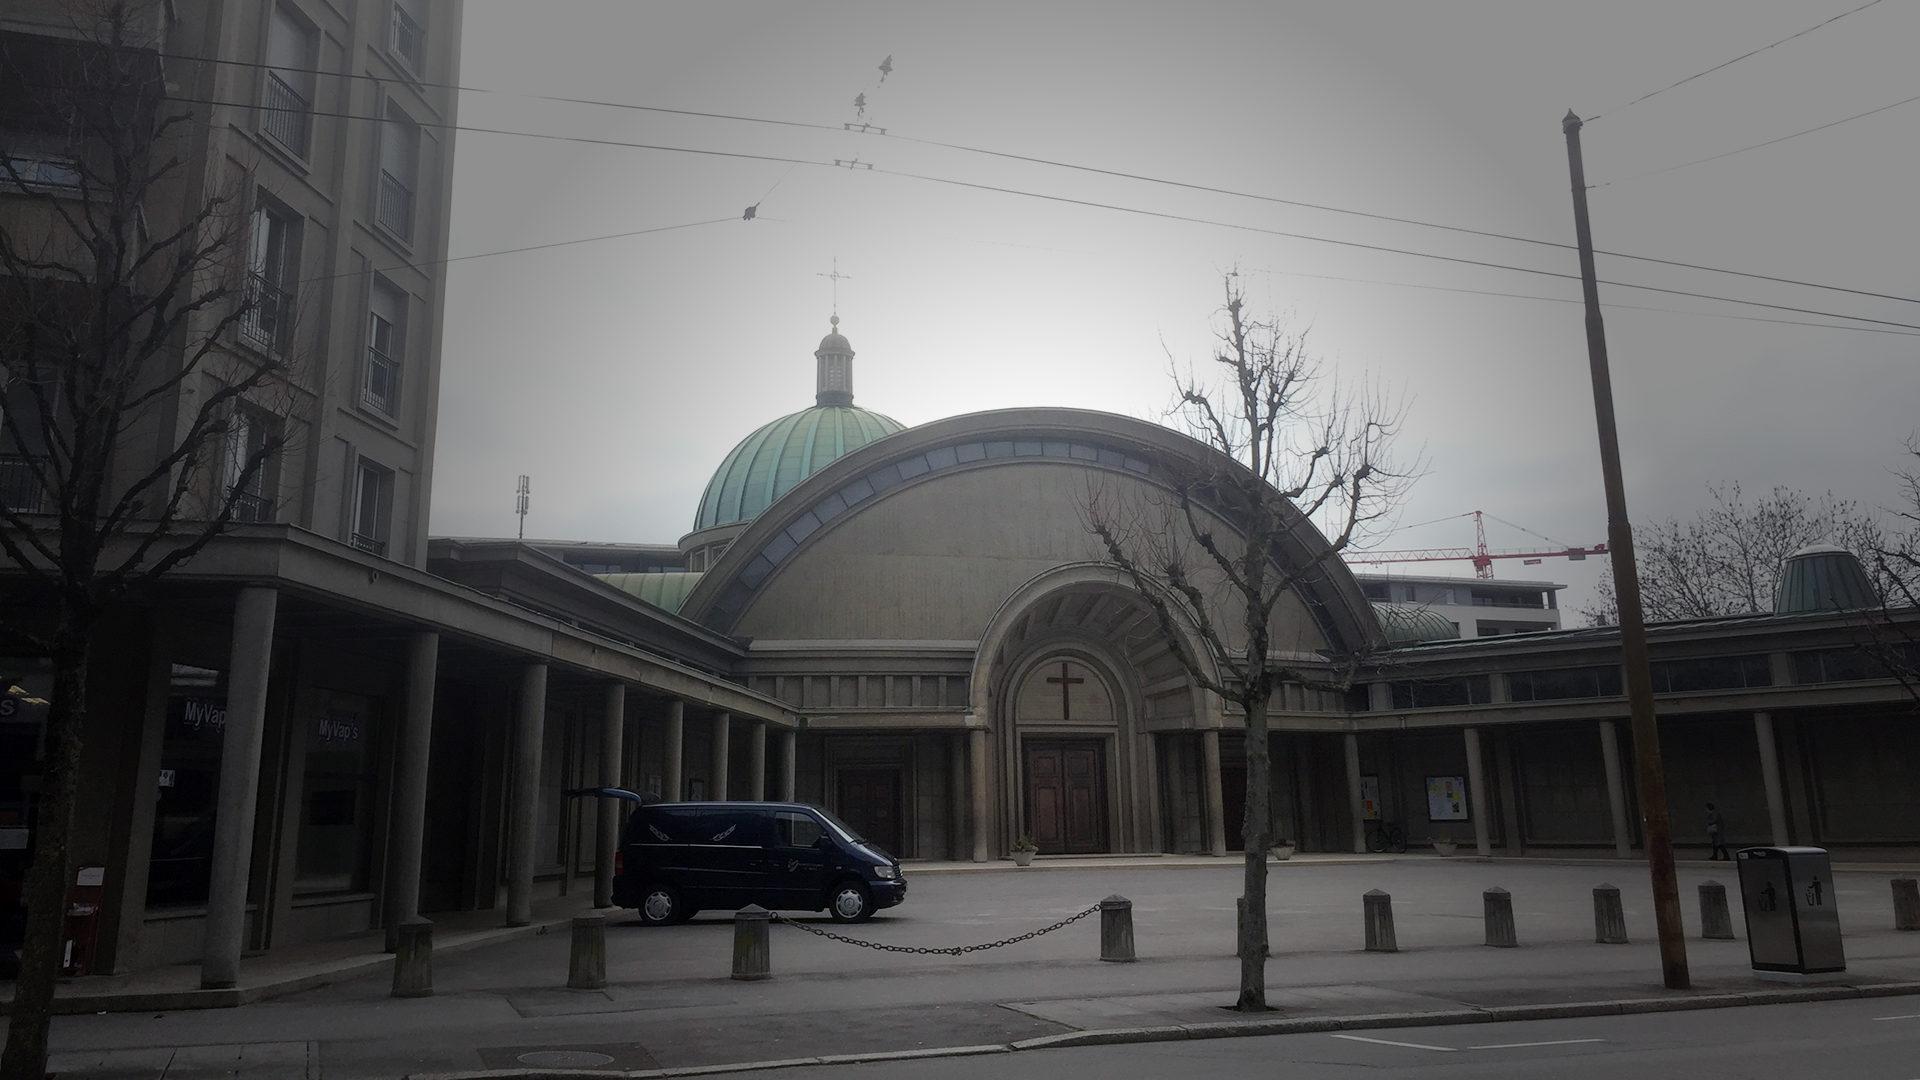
(1444, 845)
(1023, 850)
(1281, 848)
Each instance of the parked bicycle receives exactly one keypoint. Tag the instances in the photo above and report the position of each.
(1386, 836)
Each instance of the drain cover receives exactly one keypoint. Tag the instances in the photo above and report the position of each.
(565, 1059)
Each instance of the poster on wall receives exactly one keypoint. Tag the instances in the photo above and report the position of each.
(1370, 797)
(1446, 798)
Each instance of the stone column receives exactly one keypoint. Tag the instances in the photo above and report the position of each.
(672, 782)
(529, 730)
(957, 797)
(1509, 794)
(1770, 775)
(252, 661)
(757, 760)
(1616, 789)
(409, 816)
(977, 767)
(722, 737)
(1356, 806)
(1216, 798)
(613, 734)
(789, 764)
(1477, 794)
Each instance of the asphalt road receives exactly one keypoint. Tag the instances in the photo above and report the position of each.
(669, 1001)
(1855, 1040)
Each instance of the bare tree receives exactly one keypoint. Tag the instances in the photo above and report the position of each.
(1726, 559)
(1233, 541)
(123, 291)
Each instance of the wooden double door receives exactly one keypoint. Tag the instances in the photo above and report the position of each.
(869, 800)
(1067, 795)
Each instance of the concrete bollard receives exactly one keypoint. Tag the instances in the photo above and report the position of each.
(752, 953)
(413, 959)
(1499, 907)
(1116, 929)
(1906, 904)
(1715, 923)
(1378, 908)
(587, 963)
(1609, 920)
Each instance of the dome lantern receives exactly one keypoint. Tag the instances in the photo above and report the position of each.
(833, 383)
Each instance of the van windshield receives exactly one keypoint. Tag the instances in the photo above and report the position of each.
(846, 831)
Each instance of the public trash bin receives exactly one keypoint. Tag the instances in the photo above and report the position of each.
(1793, 918)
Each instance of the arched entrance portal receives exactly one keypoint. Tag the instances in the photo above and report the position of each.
(1084, 695)
(1064, 712)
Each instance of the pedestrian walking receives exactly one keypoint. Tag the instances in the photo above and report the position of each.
(1715, 835)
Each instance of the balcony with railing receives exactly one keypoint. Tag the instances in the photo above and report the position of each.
(268, 320)
(395, 209)
(382, 390)
(251, 506)
(287, 115)
(409, 40)
(20, 488)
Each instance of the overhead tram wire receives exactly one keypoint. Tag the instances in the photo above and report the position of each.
(1769, 142)
(1359, 245)
(1576, 300)
(538, 247)
(1461, 229)
(1095, 204)
(1730, 63)
(1052, 163)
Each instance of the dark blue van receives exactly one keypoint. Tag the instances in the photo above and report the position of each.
(678, 858)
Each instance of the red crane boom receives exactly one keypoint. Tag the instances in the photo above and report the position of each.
(1478, 555)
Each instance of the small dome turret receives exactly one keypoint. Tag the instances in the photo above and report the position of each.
(1822, 577)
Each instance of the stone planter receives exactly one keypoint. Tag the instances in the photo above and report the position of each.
(1023, 857)
(1281, 852)
(1445, 847)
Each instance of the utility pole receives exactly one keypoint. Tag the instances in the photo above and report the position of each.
(1626, 586)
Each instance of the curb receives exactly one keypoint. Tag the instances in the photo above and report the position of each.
(234, 997)
(1236, 1029)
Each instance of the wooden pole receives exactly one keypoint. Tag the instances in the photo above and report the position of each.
(1626, 586)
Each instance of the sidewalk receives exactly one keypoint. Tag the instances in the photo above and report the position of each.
(501, 1007)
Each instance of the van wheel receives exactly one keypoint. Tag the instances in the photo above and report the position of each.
(849, 902)
(661, 905)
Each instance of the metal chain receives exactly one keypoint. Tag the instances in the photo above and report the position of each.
(953, 950)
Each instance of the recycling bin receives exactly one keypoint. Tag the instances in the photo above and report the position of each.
(1793, 918)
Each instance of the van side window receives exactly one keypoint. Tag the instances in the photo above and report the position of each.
(733, 828)
(796, 830)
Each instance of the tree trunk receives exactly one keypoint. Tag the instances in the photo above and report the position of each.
(26, 1052)
(1256, 833)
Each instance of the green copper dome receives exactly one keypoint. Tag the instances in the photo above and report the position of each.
(775, 459)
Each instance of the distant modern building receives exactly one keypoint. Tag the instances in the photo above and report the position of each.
(1474, 607)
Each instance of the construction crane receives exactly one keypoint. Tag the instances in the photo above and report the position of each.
(1481, 558)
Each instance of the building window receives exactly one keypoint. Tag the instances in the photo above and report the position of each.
(386, 347)
(336, 811)
(24, 459)
(1439, 693)
(248, 436)
(1557, 684)
(410, 34)
(286, 113)
(399, 164)
(1711, 673)
(38, 161)
(372, 508)
(181, 863)
(273, 266)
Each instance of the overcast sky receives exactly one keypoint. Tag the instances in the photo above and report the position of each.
(619, 372)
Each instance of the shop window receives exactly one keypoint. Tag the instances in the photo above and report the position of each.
(181, 864)
(336, 806)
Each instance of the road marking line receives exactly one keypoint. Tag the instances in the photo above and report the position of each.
(1908, 1016)
(1517, 1046)
(1390, 1042)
